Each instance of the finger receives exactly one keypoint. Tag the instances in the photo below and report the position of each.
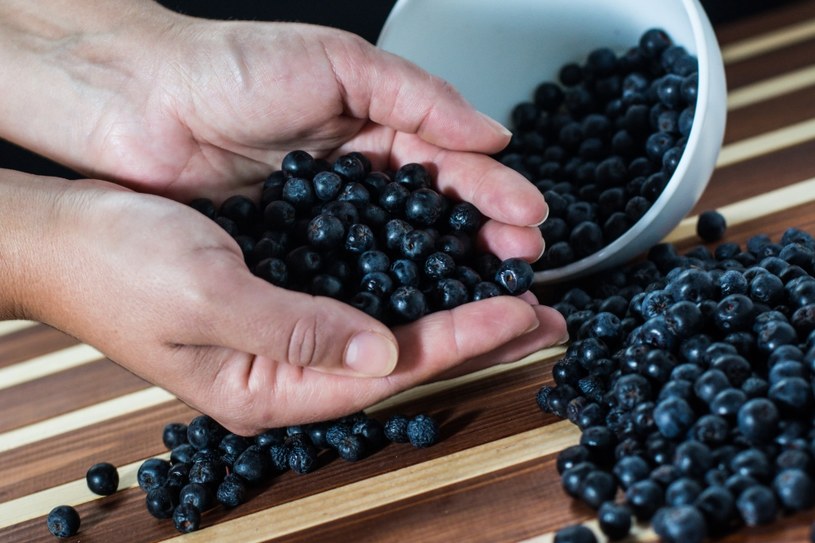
(250, 393)
(250, 315)
(552, 331)
(506, 241)
(394, 92)
(496, 190)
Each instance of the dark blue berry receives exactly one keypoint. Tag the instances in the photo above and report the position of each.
(63, 521)
(232, 491)
(103, 478)
(186, 518)
(160, 502)
(422, 431)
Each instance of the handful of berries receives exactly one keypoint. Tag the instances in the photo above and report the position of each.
(386, 243)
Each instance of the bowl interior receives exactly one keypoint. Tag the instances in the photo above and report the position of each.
(496, 53)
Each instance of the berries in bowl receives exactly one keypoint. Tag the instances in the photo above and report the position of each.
(617, 109)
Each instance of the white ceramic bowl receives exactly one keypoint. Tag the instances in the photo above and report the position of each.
(496, 52)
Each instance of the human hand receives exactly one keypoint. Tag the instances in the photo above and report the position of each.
(186, 107)
(164, 291)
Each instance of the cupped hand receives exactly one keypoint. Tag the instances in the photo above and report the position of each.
(164, 291)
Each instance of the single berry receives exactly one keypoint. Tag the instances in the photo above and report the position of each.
(102, 479)
(63, 521)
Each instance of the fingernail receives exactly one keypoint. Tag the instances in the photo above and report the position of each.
(563, 340)
(371, 354)
(534, 326)
(543, 220)
(495, 125)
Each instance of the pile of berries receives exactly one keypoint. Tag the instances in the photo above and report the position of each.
(691, 379)
(210, 466)
(386, 243)
(603, 141)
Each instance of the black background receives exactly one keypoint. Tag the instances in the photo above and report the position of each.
(363, 17)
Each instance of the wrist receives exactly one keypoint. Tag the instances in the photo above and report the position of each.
(29, 240)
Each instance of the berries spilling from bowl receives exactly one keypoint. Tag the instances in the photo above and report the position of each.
(602, 142)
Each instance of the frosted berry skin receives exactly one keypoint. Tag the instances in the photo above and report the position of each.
(422, 431)
(63, 521)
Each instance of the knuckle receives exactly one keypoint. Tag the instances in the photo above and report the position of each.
(303, 342)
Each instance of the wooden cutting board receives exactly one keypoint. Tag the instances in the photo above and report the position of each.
(65, 407)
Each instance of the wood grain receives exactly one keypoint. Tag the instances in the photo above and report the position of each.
(492, 478)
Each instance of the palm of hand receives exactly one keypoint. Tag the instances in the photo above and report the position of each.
(222, 109)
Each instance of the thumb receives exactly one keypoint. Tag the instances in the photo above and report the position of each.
(299, 329)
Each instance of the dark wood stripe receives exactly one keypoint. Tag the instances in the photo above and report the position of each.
(758, 175)
(770, 64)
(520, 502)
(65, 391)
(119, 441)
(57, 460)
(32, 342)
(772, 114)
(787, 15)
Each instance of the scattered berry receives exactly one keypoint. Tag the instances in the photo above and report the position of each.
(63, 521)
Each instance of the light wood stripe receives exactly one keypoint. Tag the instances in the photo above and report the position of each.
(74, 420)
(48, 364)
(771, 88)
(751, 208)
(769, 41)
(766, 143)
(73, 493)
(390, 487)
(9, 327)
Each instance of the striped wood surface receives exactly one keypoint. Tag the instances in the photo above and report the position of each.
(492, 478)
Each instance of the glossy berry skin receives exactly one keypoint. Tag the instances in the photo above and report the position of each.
(203, 432)
(186, 518)
(102, 479)
(614, 520)
(758, 420)
(575, 534)
(711, 226)
(174, 434)
(424, 207)
(515, 275)
(794, 489)
(160, 502)
(407, 304)
(253, 464)
(673, 417)
(422, 431)
(412, 175)
(198, 495)
(757, 505)
(63, 521)
(644, 498)
(680, 524)
(465, 217)
(486, 289)
(152, 473)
